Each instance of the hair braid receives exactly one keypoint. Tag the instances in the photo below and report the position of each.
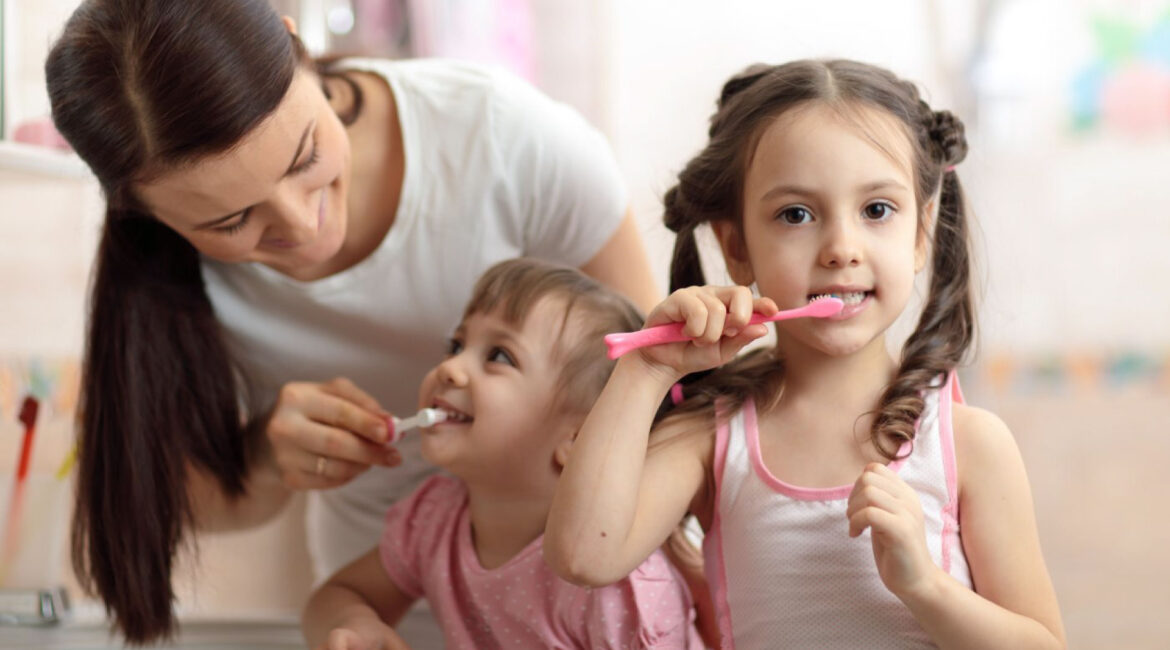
(946, 327)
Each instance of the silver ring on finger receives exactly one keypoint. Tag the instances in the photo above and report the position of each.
(321, 463)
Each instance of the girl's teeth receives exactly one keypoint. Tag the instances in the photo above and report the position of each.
(851, 298)
(455, 416)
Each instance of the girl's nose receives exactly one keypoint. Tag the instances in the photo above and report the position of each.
(841, 245)
(451, 372)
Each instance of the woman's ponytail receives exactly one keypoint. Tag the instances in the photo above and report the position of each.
(157, 393)
(141, 88)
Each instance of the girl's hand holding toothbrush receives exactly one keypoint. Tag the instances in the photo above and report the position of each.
(885, 504)
(323, 435)
(716, 320)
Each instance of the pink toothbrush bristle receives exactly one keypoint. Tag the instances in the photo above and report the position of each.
(822, 307)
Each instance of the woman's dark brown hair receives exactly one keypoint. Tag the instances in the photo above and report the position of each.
(710, 188)
(138, 87)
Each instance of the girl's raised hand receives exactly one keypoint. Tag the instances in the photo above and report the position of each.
(884, 503)
(323, 435)
(715, 317)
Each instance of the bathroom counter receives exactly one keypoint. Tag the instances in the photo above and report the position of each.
(207, 634)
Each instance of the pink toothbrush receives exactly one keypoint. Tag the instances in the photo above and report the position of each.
(622, 343)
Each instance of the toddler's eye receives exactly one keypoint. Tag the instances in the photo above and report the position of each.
(878, 211)
(795, 215)
(454, 347)
(500, 355)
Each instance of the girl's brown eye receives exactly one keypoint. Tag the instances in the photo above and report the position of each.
(795, 215)
(500, 355)
(454, 347)
(878, 211)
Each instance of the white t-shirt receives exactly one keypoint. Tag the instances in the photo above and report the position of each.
(494, 170)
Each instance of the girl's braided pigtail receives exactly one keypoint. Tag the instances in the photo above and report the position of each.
(947, 325)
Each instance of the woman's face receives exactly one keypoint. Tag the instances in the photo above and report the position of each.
(279, 198)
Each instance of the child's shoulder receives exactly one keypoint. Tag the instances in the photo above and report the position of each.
(984, 445)
(979, 431)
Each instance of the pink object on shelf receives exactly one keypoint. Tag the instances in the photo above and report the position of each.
(1137, 99)
(40, 132)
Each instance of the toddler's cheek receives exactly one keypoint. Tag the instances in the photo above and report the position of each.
(426, 390)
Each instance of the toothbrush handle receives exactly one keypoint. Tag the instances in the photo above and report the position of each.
(624, 342)
(398, 428)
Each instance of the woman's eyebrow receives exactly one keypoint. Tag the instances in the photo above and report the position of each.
(291, 166)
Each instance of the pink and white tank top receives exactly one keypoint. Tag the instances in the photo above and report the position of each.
(784, 572)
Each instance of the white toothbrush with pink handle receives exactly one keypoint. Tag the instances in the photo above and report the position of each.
(623, 342)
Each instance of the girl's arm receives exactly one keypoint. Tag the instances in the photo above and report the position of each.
(621, 264)
(615, 503)
(1013, 604)
(356, 608)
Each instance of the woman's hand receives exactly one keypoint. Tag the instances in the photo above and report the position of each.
(323, 435)
(884, 503)
(364, 635)
(715, 317)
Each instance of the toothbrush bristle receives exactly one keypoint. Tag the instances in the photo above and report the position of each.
(823, 306)
(431, 417)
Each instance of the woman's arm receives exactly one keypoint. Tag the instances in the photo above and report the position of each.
(1013, 604)
(622, 265)
(358, 603)
(265, 497)
(317, 436)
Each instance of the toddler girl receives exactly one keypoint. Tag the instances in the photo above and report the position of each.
(523, 368)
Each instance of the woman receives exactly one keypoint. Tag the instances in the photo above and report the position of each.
(284, 252)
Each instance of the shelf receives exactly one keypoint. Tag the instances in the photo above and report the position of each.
(16, 156)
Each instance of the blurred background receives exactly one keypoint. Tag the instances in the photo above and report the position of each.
(1067, 104)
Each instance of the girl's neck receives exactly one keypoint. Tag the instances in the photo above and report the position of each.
(851, 381)
(505, 522)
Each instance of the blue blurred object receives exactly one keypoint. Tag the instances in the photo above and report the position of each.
(1085, 93)
(1155, 46)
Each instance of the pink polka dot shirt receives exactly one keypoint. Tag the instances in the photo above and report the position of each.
(426, 550)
